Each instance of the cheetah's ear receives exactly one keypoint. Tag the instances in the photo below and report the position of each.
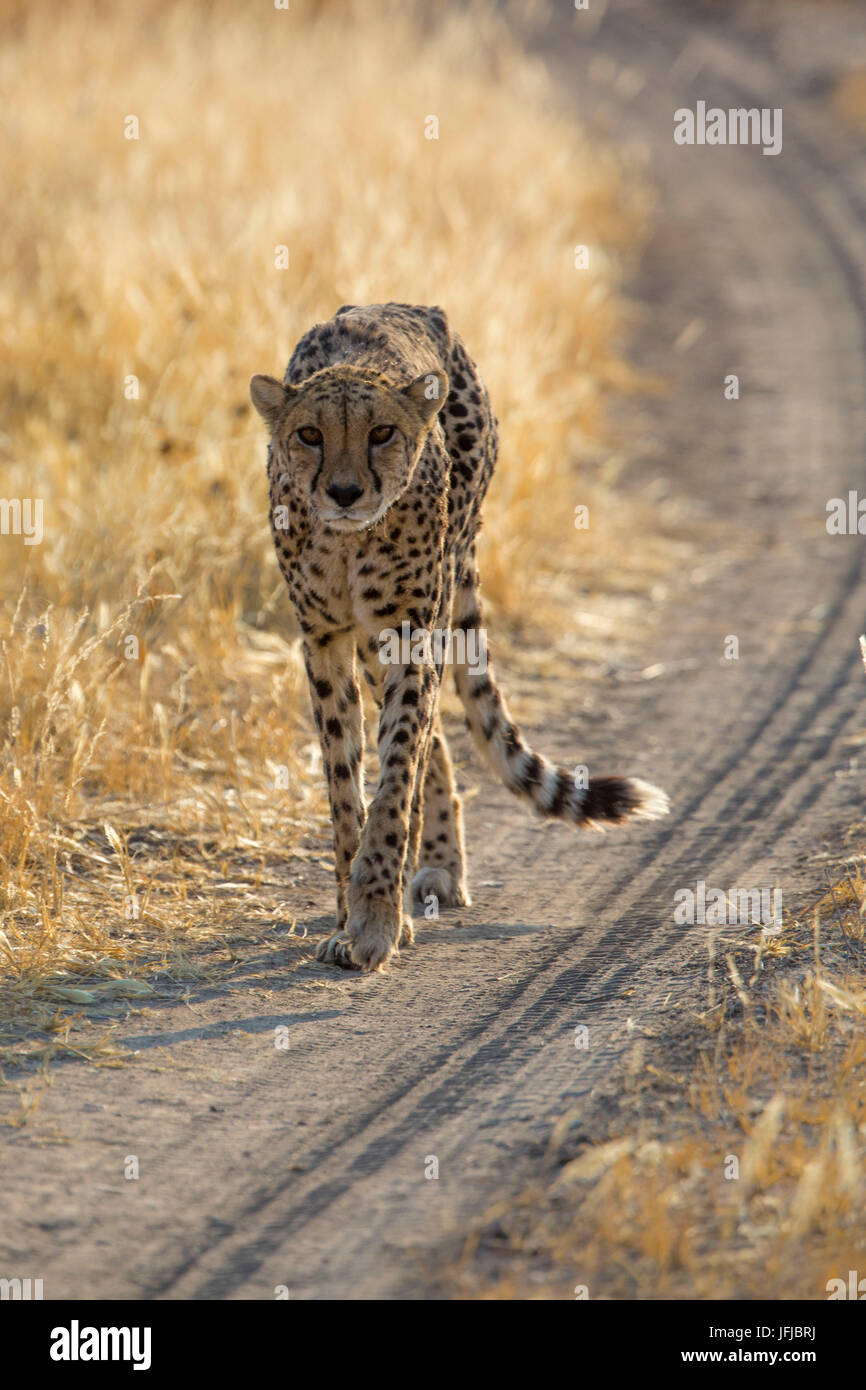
(427, 393)
(269, 397)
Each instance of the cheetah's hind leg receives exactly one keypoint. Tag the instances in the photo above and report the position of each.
(442, 877)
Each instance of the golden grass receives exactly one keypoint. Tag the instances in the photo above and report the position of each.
(149, 669)
(772, 1075)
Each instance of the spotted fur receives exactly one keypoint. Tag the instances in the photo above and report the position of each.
(382, 447)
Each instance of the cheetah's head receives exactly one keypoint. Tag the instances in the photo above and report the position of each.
(349, 438)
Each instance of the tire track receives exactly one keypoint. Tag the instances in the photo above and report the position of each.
(759, 774)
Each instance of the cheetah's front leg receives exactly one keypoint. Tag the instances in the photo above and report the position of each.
(336, 701)
(378, 921)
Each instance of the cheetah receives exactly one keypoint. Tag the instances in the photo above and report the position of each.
(382, 446)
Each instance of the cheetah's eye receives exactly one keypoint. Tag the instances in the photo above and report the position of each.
(308, 434)
(381, 434)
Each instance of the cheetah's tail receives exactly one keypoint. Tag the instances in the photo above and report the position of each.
(554, 791)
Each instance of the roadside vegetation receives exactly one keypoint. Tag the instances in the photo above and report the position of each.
(191, 186)
(731, 1164)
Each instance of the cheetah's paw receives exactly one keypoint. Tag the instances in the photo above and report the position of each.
(376, 930)
(335, 950)
(442, 885)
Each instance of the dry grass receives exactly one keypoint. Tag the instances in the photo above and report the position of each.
(775, 1079)
(150, 681)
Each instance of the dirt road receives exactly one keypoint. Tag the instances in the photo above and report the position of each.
(306, 1167)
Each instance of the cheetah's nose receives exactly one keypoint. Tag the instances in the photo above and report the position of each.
(345, 496)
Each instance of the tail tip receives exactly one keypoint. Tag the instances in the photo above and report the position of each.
(651, 803)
